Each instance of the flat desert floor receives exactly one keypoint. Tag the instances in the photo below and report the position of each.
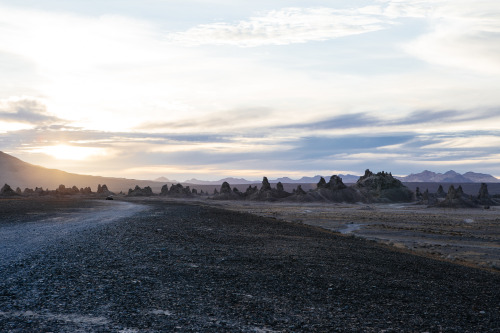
(465, 236)
(156, 265)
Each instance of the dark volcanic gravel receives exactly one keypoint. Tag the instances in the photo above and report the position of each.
(190, 268)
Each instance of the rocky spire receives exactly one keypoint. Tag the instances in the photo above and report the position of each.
(483, 192)
(6, 190)
(336, 183)
(440, 191)
(321, 183)
(265, 185)
(225, 188)
(299, 190)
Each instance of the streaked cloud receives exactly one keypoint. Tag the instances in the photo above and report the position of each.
(463, 35)
(25, 110)
(285, 26)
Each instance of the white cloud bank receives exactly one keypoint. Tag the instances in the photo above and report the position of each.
(461, 33)
(285, 26)
(464, 34)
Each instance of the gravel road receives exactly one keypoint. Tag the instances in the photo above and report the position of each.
(40, 228)
(189, 268)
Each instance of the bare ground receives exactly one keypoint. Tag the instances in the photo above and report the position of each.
(466, 236)
(193, 268)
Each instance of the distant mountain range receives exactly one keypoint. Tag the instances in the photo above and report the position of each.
(18, 173)
(422, 177)
(284, 180)
(449, 177)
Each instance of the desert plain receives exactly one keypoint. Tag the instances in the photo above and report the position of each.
(465, 236)
(190, 265)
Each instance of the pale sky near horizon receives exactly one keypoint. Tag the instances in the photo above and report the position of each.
(216, 88)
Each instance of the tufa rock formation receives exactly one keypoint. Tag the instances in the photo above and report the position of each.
(7, 191)
(383, 187)
(102, 190)
(335, 190)
(226, 193)
(455, 198)
(336, 183)
(484, 198)
(440, 192)
(176, 190)
(140, 192)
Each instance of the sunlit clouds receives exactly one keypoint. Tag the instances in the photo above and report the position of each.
(66, 152)
(285, 26)
(209, 88)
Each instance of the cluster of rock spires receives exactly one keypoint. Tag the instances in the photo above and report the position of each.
(456, 198)
(175, 190)
(379, 187)
(6, 191)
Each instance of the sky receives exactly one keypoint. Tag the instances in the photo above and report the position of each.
(209, 89)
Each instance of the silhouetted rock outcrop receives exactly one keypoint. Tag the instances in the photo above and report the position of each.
(299, 195)
(455, 198)
(225, 188)
(251, 190)
(63, 190)
(267, 193)
(484, 198)
(140, 192)
(383, 187)
(427, 198)
(86, 190)
(321, 183)
(176, 190)
(103, 191)
(336, 183)
(335, 190)
(440, 192)
(28, 191)
(226, 193)
(265, 185)
(418, 194)
(7, 191)
(483, 192)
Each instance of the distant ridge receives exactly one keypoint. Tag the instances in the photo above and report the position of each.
(230, 180)
(451, 176)
(165, 180)
(425, 176)
(18, 173)
(284, 180)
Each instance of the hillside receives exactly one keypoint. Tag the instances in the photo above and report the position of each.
(17, 173)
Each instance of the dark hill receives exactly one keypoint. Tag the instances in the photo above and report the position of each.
(18, 173)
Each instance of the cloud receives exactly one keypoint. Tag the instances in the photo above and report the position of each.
(395, 124)
(233, 120)
(355, 120)
(449, 116)
(25, 110)
(463, 34)
(285, 26)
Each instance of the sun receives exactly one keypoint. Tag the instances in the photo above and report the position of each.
(68, 152)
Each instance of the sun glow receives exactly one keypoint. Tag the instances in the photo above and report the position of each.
(66, 152)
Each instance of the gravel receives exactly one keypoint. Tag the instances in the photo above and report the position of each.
(189, 268)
